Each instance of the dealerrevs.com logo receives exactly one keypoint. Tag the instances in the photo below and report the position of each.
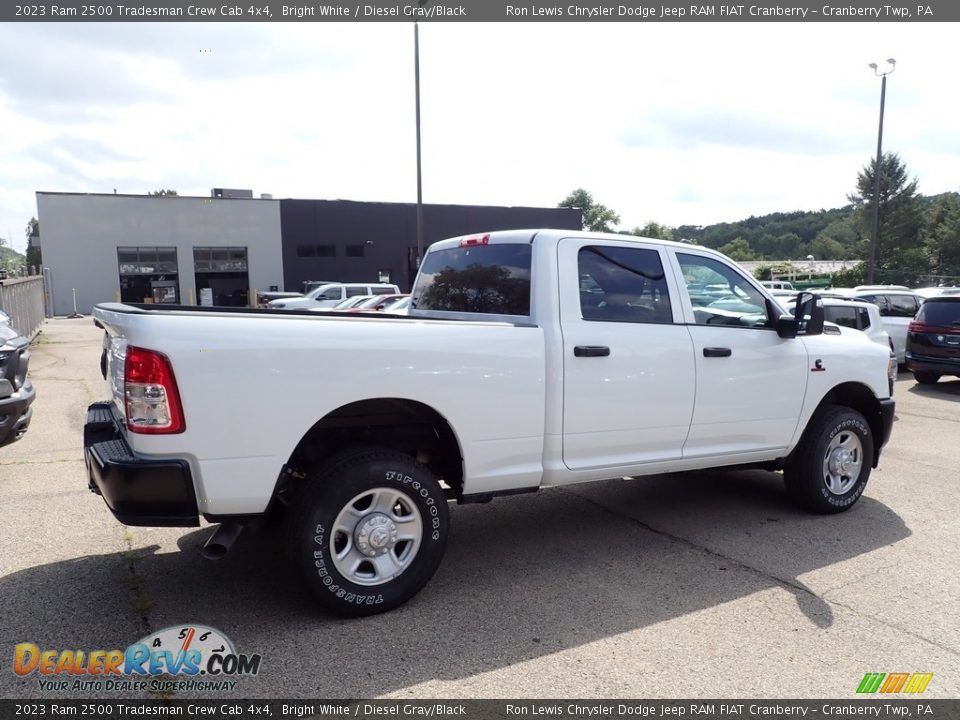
(177, 658)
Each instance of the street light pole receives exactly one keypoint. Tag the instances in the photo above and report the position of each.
(416, 84)
(875, 229)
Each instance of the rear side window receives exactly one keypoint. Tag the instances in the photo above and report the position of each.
(944, 313)
(357, 290)
(491, 279)
(846, 316)
(864, 319)
(902, 306)
(620, 284)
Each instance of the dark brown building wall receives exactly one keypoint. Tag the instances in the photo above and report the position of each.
(385, 233)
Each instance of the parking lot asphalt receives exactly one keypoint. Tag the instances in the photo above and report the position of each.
(698, 585)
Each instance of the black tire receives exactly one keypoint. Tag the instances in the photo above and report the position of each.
(926, 378)
(419, 502)
(809, 476)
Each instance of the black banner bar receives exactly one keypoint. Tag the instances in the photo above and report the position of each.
(104, 709)
(477, 11)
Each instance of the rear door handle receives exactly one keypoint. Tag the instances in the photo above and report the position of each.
(591, 351)
(717, 352)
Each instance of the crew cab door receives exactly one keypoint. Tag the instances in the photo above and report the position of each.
(750, 381)
(628, 384)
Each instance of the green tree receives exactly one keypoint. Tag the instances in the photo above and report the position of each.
(738, 249)
(653, 230)
(851, 277)
(163, 192)
(941, 233)
(900, 256)
(596, 217)
(34, 255)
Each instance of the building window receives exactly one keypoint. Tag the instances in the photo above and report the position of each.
(221, 275)
(354, 250)
(220, 259)
(306, 250)
(148, 274)
(326, 250)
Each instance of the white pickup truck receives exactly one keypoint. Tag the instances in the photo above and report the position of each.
(528, 359)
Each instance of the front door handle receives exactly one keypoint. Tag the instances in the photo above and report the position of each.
(717, 352)
(591, 351)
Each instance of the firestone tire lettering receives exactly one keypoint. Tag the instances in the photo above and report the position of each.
(323, 495)
(804, 476)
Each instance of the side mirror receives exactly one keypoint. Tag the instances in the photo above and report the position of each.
(807, 318)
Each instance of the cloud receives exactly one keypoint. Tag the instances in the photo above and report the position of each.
(685, 129)
(68, 72)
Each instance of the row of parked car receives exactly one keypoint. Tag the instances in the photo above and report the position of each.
(922, 326)
(342, 297)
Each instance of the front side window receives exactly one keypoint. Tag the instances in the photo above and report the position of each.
(726, 297)
(621, 284)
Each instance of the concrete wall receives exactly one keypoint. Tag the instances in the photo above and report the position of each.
(81, 234)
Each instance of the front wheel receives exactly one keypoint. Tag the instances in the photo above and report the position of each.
(830, 468)
(368, 531)
(926, 378)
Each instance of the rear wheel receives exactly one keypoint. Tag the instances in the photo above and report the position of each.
(830, 468)
(926, 378)
(367, 531)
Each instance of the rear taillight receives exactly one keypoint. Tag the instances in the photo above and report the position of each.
(922, 327)
(150, 389)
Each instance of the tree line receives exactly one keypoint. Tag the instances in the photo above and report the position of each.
(918, 239)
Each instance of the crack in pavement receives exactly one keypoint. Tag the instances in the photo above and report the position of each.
(797, 588)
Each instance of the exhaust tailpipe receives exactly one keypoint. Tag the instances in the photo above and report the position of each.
(219, 544)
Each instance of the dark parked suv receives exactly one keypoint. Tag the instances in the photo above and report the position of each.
(16, 390)
(933, 340)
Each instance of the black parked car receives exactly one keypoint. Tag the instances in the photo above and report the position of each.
(933, 340)
(16, 391)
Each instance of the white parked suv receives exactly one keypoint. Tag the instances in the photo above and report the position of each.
(329, 295)
(897, 305)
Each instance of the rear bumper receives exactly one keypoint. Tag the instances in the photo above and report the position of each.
(16, 413)
(138, 490)
(941, 366)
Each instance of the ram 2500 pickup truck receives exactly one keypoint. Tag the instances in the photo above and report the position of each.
(527, 359)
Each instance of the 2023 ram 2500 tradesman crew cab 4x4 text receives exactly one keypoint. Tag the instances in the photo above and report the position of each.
(528, 359)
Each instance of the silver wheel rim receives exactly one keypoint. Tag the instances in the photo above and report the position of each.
(376, 536)
(842, 462)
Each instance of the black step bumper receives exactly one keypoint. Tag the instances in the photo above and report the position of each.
(138, 490)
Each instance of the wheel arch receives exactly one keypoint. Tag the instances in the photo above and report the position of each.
(401, 424)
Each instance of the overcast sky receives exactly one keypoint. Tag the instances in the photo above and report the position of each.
(681, 123)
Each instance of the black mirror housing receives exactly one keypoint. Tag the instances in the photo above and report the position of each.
(808, 314)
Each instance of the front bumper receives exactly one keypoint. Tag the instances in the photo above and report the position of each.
(138, 490)
(16, 413)
(887, 411)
